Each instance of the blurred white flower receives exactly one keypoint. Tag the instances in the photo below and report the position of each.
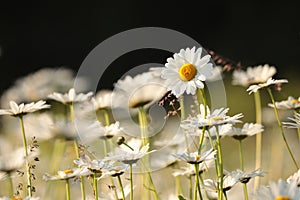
(70, 97)
(67, 174)
(295, 121)
(216, 74)
(245, 177)
(294, 178)
(278, 191)
(189, 170)
(211, 186)
(187, 71)
(138, 91)
(97, 130)
(217, 117)
(130, 155)
(270, 81)
(22, 109)
(12, 161)
(102, 99)
(40, 84)
(253, 75)
(195, 157)
(290, 104)
(248, 129)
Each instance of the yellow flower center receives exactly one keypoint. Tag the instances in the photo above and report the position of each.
(187, 72)
(198, 158)
(68, 171)
(282, 198)
(16, 198)
(294, 101)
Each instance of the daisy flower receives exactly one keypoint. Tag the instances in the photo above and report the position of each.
(189, 170)
(253, 75)
(244, 177)
(130, 155)
(102, 99)
(137, 91)
(39, 84)
(195, 157)
(294, 178)
(70, 97)
(67, 174)
(278, 191)
(290, 104)
(270, 81)
(23, 109)
(247, 130)
(211, 186)
(217, 117)
(295, 122)
(96, 129)
(187, 71)
(216, 74)
(12, 161)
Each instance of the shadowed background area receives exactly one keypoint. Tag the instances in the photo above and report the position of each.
(37, 35)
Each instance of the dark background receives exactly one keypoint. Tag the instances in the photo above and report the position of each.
(36, 35)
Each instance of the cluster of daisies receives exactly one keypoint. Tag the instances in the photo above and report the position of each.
(117, 144)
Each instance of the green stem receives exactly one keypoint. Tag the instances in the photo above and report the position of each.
(220, 166)
(241, 155)
(95, 186)
(121, 186)
(242, 168)
(177, 181)
(197, 185)
(29, 185)
(131, 182)
(106, 117)
(203, 99)
(281, 128)
(68, 194)
(143, 125)
(245, 191)
(258, 149)
(190, 187)
(10, 186)
(76, 147)
(182, 117)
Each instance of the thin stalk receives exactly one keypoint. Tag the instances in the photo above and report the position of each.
(258, 149)
(281, 128)
(131, 182)
(245, 191)
(106, 117)
(220, 166)
(10, 186)
(68, 194)
(28, 173)
(182, 117)
(121, 186)
(178, 182)
(197, 185)
(242, 168)
(203, 99)
(107, 122)
(144, 135)
(95, 186)
(191, 187)
(241, 155)
(76, 147)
